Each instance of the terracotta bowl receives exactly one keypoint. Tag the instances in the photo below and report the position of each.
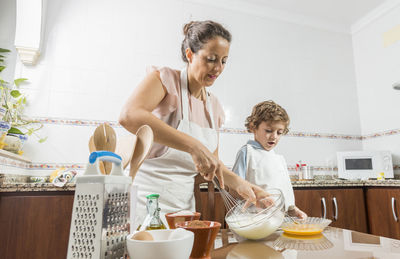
(173, 219)
(204, 238)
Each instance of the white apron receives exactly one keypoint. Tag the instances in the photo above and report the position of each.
(172, 174)
(269, 170)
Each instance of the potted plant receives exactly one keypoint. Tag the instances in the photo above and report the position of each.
(15, 127)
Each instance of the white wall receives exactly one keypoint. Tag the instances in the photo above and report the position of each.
(95, 53)
(7, 34)
(377, 68)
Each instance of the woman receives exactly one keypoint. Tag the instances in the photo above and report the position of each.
(184, 118)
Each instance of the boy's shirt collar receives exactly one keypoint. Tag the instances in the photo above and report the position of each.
(255, 144)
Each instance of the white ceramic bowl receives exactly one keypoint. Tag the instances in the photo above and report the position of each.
(175, 248)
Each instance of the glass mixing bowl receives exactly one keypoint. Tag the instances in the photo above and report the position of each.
(307, 227)
(259, 220)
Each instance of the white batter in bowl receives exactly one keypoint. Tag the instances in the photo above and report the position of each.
(257, 222)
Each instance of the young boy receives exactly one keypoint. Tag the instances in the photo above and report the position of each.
(257, 162)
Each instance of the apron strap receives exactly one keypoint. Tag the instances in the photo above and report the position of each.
(184, 94)
(209, 108)
(185, 99)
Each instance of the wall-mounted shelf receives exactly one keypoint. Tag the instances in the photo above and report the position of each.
(7, 154)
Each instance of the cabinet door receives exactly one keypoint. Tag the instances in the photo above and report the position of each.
(344, 206)
(348, 209)
(35, 225)
(383, 206)
(313, 202)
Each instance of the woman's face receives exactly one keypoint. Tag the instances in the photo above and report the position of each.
(208, 63)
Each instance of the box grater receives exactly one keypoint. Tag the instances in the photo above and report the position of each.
(100, 216)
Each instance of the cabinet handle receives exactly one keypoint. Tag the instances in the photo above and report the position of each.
(335, 216)
(324, 206)
(393, 210)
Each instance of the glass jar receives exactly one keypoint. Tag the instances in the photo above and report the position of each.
(152, 220)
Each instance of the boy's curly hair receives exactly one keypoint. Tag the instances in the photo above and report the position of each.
(267, 111)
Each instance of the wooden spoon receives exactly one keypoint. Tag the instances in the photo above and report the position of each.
(125, 148)
(92, 148)
(144, 143)
(105, 139)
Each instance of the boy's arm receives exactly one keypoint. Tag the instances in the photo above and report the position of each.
(240, 166)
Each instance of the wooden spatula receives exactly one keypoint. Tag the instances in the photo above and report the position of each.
(105, 139)
(144, 143)
(125, 148)
(92, 148)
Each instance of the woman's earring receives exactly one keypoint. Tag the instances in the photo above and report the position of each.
(189, 55)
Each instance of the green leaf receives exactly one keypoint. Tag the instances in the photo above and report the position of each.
(15, 93)
(15, 131)
(1, 56)
(42, 140)
(30, 131)
(18, 81)
(4, 50)
(1, 68)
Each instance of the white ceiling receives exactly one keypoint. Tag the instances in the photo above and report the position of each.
(340, 12)
(345, 16)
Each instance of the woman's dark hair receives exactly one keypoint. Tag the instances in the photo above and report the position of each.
(198, 33)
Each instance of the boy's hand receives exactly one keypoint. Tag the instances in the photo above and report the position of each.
(296, 212)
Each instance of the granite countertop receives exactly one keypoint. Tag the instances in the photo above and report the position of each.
(48, 187)
(35, 187)
(346, 183)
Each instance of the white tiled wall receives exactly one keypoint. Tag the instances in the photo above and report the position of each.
(96, 52)
(377, 68)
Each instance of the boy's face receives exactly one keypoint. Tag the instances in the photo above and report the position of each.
(268, 133)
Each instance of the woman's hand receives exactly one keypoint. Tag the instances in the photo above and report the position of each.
(253, 195)
(207, 164)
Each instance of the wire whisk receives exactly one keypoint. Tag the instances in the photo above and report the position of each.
(230, 202)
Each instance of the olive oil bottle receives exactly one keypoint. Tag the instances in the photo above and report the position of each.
(152, 220)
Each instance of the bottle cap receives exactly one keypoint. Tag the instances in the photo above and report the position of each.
(154, 195)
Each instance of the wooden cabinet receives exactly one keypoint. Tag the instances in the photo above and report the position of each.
(214, 213)
(383, 205)
(344, 206)
(35, 224)
(209, 202)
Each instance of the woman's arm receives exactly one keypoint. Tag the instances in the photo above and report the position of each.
(138, 111)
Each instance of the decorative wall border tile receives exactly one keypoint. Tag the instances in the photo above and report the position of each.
(82, 122)
(382, 134)
(10, 164)
(4, 161)
(75, 122)
(54, 166)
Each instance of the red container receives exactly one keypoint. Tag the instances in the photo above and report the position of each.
(204, 238)
(173, 219)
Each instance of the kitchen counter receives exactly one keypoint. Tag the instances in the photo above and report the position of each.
(346, 183)
(332, 243)
(35, 187)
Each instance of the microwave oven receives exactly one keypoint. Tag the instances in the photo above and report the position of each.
(364, 164)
